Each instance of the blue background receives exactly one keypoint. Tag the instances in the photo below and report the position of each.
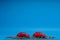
(29, 16)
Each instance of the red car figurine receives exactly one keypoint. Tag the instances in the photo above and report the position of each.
(23, 34)
(39, 34)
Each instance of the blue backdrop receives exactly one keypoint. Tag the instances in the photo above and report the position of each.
(29, 16)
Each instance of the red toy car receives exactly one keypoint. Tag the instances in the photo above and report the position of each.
(39, 34)
(23, 34)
